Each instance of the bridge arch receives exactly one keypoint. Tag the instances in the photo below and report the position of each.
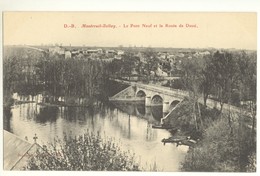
(157, 113)
(140, 109)
(140, 93)
(157, 100)
(173, 104)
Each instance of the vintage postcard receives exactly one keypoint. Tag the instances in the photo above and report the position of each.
(129, 91)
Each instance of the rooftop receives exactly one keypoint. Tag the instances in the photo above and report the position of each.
(17, 151)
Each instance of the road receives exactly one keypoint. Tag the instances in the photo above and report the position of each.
(181, 93)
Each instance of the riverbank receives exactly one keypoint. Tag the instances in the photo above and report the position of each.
(188, 122)
(224, 145)
(132, 132)
(223, 149)
(62, 104)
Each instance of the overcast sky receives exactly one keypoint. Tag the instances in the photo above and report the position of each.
(218, 30)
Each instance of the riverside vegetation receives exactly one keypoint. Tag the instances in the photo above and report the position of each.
(89, 152)
(227, 140)
(30, 72)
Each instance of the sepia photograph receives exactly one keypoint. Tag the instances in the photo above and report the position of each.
(129, 91)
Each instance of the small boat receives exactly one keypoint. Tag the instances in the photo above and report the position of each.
(189, 142)
(180, 141)
(163, 127)
(171, 140)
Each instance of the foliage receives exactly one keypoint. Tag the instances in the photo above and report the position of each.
(228, 76)
(192, 77)
(87, 152)
(221, 150)
(192, 80)
(182, 118)
(131, 62)
(30, 72)
(128, 63)
(69, 77)
(223, 65)
(151, 60)
(114, 67)
(207, 78)
(228, 144)
(18, 69)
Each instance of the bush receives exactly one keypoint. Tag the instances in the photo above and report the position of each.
(222, 149)
(86, 152)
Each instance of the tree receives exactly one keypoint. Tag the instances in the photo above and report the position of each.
(151, 61)
(114, 67)
(247, 83)
(192, 80)
(224, 69)
(128, 63)
(88, 152)
(207, 78)
(219, 150)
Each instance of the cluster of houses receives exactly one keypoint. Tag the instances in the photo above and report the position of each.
(168, 61)
(175, 59)
(90, 53)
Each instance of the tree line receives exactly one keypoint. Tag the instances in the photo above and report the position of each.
(228, 141)
(30, 72)
(229, 77)
(142, 64)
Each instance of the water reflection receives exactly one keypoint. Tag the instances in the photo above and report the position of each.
(140, 110)
(129, 124)
(46, 114)
(7, 115)
(157, 112)
(152, 114)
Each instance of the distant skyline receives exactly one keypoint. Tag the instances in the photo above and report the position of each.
(216, 30)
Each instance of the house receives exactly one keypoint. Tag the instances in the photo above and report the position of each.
(110, 52)
(159, 72)
(18, 151)
(120, 52)
(67, 54)
(118, 57)
(57, 49)
(107, 60)
(181, 55)
(198, 54)
(171, 56)
(163, 55)
(93, 51)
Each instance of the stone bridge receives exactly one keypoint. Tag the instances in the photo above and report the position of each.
(155, 95)
(152, 95)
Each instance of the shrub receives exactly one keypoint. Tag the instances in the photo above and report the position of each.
(222, 149)
(86, 152)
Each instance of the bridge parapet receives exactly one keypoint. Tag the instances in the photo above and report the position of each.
(180, 94)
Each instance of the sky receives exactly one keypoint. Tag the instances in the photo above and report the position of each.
(218, 30)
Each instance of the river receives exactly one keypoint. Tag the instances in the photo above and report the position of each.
(129, 124)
